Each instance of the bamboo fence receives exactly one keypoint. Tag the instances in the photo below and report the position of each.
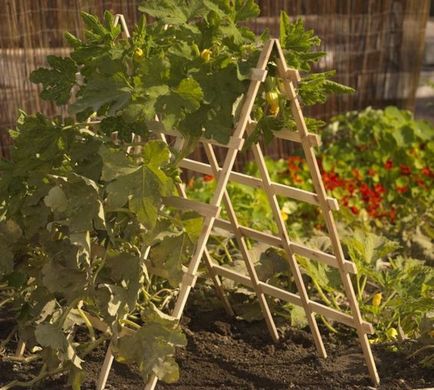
(376, 46)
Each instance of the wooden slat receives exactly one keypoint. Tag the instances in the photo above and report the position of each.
(323, 257)
(298, 249)
(158, 128)
(279, 189)
(204, 209)
(292, 298)
(258, 74)
(294, 136)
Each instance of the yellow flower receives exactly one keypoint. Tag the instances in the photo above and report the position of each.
(138, 54)
(376, 300)
(392, 333)
(284, 216)
(206, 55)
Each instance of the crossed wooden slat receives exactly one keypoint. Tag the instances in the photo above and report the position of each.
(211, 212)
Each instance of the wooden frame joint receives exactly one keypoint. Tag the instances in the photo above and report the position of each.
(235, 143)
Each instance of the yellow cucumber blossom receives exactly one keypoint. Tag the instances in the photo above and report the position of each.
(392, 333)
(206, 55)
(138, 54)
(376, 300)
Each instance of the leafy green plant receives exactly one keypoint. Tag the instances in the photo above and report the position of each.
(84, 231)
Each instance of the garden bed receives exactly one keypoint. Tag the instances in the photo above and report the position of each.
(231, 354)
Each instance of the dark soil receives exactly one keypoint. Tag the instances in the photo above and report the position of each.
(224, 353)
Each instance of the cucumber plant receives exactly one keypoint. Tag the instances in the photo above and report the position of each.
(84, 235)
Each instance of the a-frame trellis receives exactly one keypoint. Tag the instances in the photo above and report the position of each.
(211, 212)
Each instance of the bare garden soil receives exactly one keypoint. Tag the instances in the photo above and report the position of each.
(225, 353)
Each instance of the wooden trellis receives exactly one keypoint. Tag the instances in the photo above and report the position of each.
(211, 211)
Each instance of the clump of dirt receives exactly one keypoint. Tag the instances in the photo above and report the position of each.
(225, 353)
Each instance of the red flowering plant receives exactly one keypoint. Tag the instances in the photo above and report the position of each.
(379, 165)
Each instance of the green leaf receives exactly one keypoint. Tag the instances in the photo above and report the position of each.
(166, 10)
(245, 9)
(56, 199)
(115, 163)
(113, 92)
(152, 347)
(316, 87)
(70, 285)
(143, 187)
(298, 317)
(191, 93)
(50, 335)
(57, 81)
(167, 257)
(367, 248)
(180, 12)
(298, 44)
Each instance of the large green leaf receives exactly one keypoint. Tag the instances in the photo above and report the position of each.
(167, 257)
(57, 81)
(152, 347)
(113, 92)
(141, 188)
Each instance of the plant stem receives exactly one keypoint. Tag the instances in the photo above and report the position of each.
(2, 303)
(87, 323)
(328, 325)
(424, 348)
(130, 323)
(362, 289)
(321, 292)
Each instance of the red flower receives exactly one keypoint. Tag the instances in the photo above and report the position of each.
(332, 180)
(294, 163)
(405, 169)
(371, 172)
(388, 165)
(401, 189)
(379, 189)
(345, 200)
(420, 182)
(298, 179)
(356, 173)
(350, 186)
(392, 214)
(208, 178)
(354, 210)
(427, 171)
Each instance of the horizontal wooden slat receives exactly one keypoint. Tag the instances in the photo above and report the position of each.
(298, 249)
(158, 127)
(321, 256)
(292, 298)
(294, 136)
(279, 189)
(204, 209)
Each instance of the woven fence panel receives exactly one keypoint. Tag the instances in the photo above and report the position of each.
(375, 46)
